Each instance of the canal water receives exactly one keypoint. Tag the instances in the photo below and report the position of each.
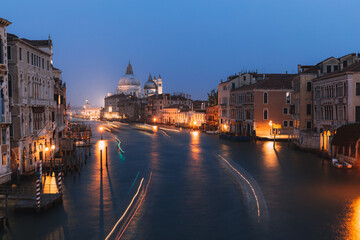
(201, 188)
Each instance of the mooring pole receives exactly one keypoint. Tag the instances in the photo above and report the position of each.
(106, 156)
(101, 159)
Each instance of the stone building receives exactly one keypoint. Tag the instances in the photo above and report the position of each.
(32, 103)
(254, 106)
(336, 100)
(302, 109)
(6, 54)
(224, 88)
(155, 104)
(126, 108)
(60, 112)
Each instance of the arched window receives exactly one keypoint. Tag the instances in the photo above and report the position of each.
(265, 98)
(265, 114)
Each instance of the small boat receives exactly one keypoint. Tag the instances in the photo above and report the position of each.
(335, 163)
(347, 165)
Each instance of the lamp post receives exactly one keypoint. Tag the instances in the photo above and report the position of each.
(101, 128)
(52, 155)
(272, 132)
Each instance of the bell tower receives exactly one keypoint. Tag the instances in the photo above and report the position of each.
(159, 85)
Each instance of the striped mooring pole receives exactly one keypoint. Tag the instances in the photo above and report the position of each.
(38, 190)
(59, 180)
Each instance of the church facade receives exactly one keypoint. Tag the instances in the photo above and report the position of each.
(129, 100)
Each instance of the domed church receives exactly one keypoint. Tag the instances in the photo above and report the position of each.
(129, 84)
(153, 86)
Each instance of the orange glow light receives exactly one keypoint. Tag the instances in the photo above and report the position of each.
(101, 128)
(52, 147)
(154, 128)
(154, 119)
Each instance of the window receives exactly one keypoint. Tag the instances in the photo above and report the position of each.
(285, 123)
(308, 125)
(285, 110)
(3, 136)
(357, 89)
(288, 97)
(308, 109)
(265, 114)
(1, 52)
(328, 68)
(9, 52)
(32, 59)
(265, 98)
(345, 63)
(42, 63)
(244, 78)
(20, 54)
(232, 86)
(28, 57)
(4, 159)
(48, 65)
(308, 86)
(291, 123)
(336, 67)
(10, 85)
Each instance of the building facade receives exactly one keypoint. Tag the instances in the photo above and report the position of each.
(32, 103)
(5, 116)
(256, 107)
(336, 100)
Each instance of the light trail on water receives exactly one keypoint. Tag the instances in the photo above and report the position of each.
(127, 209)
(141, 201)
(248, 182)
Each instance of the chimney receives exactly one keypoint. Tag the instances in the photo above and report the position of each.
(341, 66)
(299, 68)
(318, 73)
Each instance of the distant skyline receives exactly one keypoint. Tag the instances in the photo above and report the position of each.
(192, 44)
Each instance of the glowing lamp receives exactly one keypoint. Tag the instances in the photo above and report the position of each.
(46, 149)
(52, 147)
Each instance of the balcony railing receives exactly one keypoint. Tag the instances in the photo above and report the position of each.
(5, 118)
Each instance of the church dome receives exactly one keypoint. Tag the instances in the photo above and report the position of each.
(129, 78)
(150, 84)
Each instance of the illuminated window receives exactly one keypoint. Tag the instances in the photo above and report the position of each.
(4, 159)
(288, 97)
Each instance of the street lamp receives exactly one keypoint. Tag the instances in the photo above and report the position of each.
(154, 120)
(272, 131)
(46, 149)
(101, 128)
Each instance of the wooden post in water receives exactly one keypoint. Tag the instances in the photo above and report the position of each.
(6, 209)
(106, 156)
(101, 159)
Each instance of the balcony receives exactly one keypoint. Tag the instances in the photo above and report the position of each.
(40, 102)
(5, 119)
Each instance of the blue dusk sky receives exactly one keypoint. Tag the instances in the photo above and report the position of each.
(191, 43)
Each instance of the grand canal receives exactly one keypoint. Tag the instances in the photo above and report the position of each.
(195, 194)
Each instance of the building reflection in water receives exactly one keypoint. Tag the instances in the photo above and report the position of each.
(352, 224)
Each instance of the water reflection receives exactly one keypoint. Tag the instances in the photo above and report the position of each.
(270, 157)
(50, 186)
(353, 222)
(195, 145)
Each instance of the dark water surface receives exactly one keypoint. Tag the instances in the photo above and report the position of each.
(193, 196)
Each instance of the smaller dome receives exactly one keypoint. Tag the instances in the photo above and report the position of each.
(150, 85)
